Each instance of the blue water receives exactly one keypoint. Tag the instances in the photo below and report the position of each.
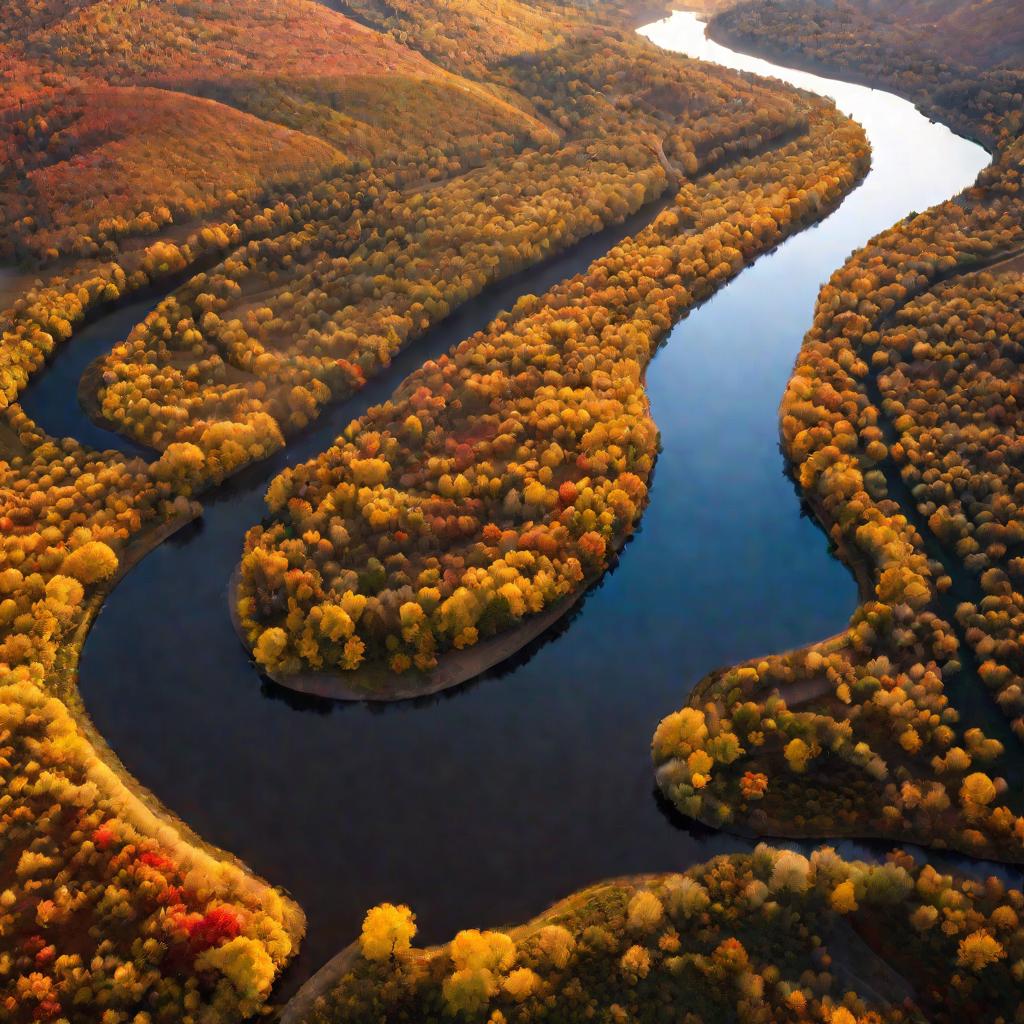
(483, 805)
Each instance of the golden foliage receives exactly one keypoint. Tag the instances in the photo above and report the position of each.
(387, 931)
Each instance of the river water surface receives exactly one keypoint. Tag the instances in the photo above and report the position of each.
(484, 804)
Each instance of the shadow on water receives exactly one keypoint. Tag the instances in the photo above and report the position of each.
(806, 512)
(490, 802)
(51, 397)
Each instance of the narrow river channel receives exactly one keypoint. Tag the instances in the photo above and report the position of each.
(484, 804)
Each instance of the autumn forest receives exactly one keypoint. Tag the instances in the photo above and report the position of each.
(511, 511)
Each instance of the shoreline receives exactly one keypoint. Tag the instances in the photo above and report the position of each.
(856, 958)
(798, 62)
(860, 568)
(454, 667)
(142, 803)
(295, 1010)
(298, 1007)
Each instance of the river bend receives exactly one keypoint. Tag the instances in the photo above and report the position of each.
(485, 804)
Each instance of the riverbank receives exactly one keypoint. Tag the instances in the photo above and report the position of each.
(780, 54)
(620, 942)
(140, 804)
(377, 683)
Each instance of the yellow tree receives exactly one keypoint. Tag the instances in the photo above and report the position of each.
(387, 930)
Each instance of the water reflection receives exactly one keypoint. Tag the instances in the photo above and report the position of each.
(483, 805)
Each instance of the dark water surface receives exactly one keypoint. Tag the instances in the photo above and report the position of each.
(483, 805)
(51, 397)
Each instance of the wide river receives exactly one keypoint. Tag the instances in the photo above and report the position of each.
(485, 804)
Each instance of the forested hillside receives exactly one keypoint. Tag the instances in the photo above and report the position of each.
(961, 61)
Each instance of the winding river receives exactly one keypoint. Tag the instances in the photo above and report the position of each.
(485, 804)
